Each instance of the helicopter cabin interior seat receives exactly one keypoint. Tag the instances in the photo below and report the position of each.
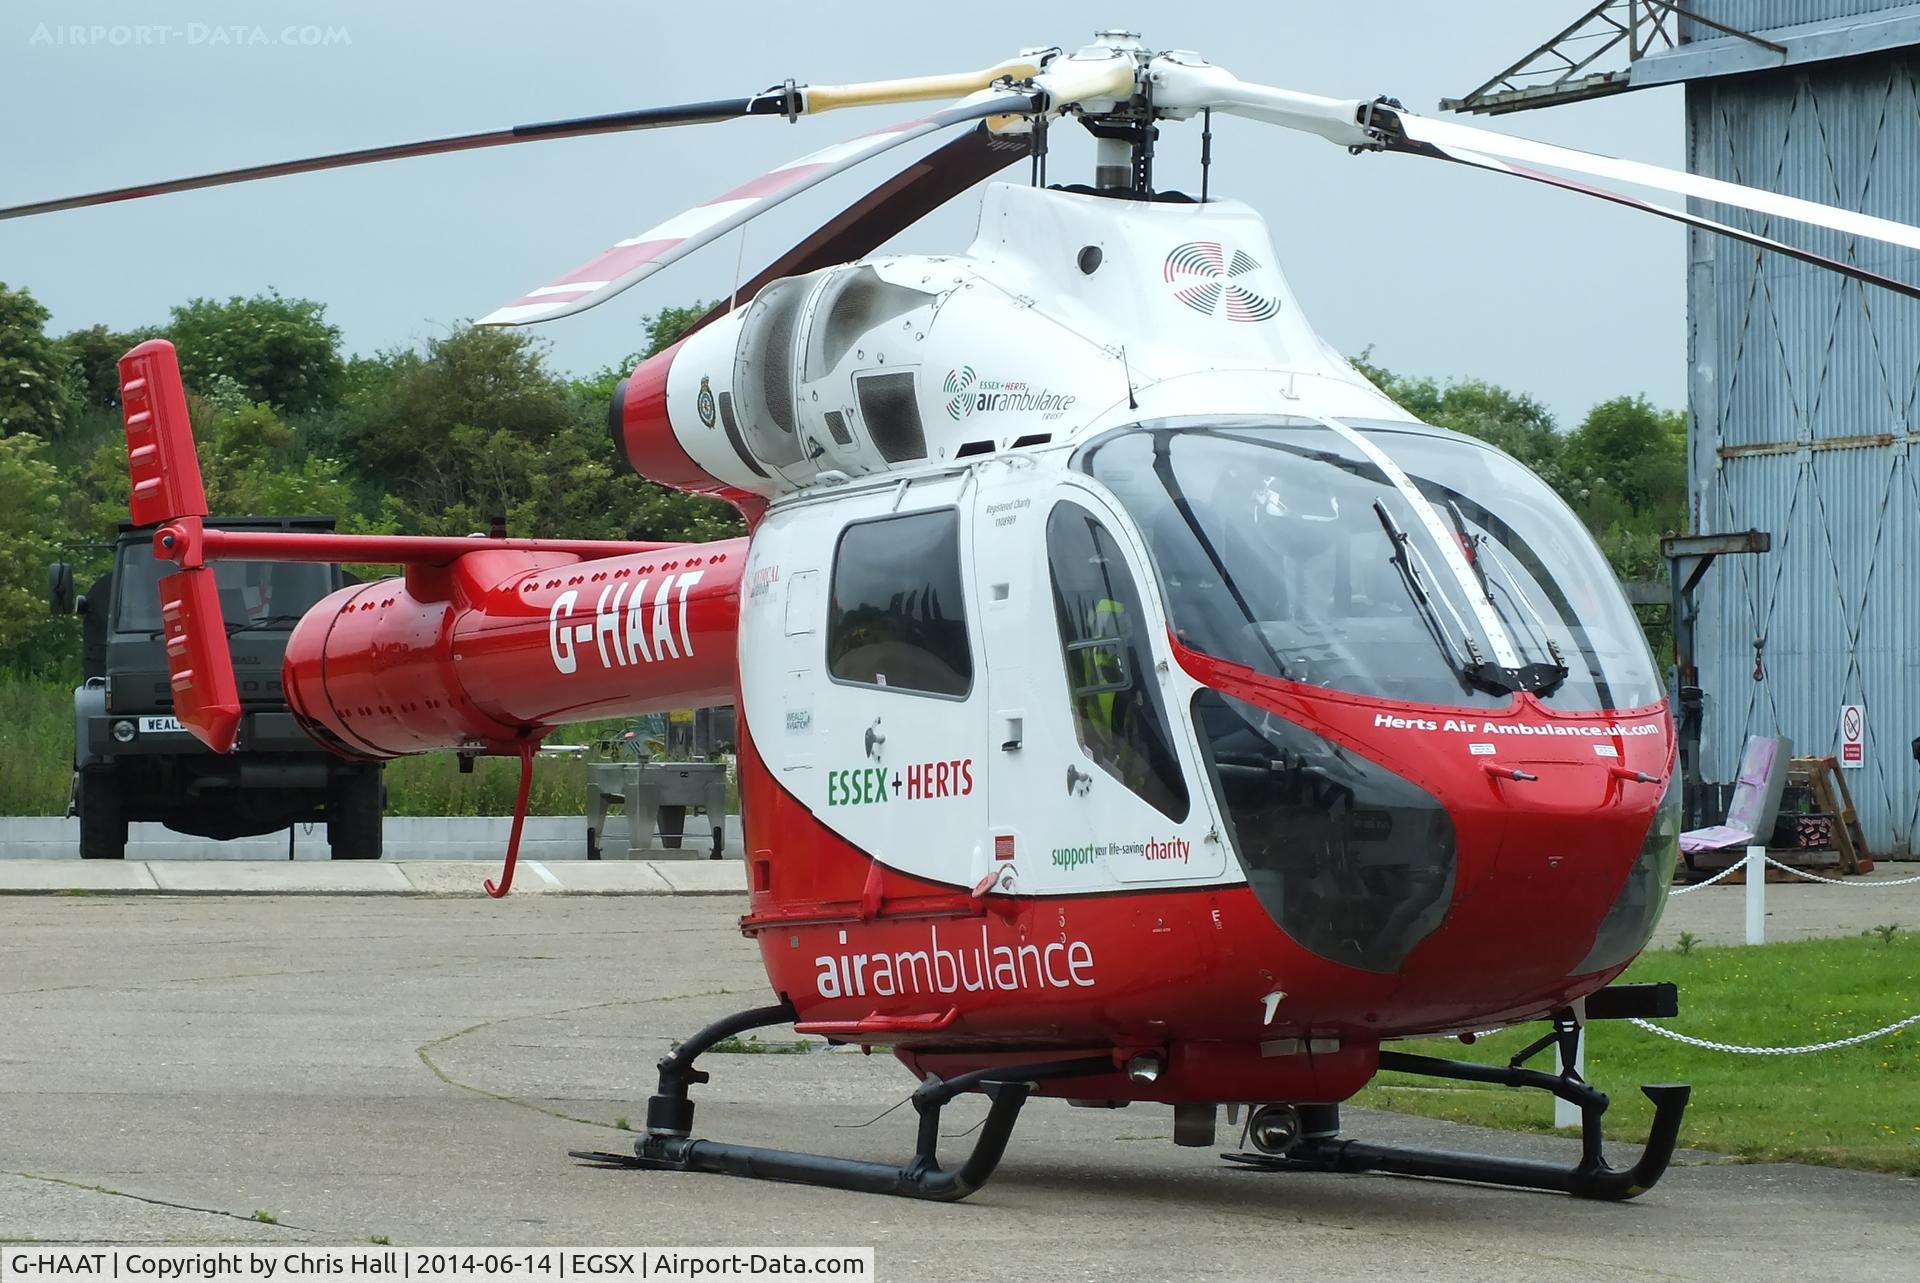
(1117, 710)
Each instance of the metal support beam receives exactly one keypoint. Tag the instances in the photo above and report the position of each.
(1561, 69)
(1688, 558)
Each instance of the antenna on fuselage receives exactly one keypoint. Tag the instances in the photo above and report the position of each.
(1206, 151)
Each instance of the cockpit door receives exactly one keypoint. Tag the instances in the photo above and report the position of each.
(1095, 775)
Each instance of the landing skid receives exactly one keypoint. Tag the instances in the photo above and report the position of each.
(1320, 1150)
(668, 1144)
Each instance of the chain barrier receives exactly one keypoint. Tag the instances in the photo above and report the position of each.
(1735, 1049)
(1700, 886)
(1837, 1043)
(1710, 1045)
(1737, 865)
(1835, 882)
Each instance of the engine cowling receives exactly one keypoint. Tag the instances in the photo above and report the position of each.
(854, 370)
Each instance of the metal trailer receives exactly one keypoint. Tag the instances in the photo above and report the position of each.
(656, 797)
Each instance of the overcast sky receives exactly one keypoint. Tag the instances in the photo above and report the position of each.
(1441, 270)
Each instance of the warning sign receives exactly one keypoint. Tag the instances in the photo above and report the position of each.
(1853, 735)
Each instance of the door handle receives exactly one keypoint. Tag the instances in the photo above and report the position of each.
(1078, 781)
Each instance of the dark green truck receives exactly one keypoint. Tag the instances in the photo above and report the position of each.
(133, 761)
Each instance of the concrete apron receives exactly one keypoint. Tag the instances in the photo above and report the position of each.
(367, 877)
(463, 837)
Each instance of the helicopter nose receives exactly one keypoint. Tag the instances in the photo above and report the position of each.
(1557, 881)
(1469, 864)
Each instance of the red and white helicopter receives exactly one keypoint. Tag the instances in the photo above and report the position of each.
(1136, 704)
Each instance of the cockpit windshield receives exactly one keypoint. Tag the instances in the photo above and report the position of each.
(1390, 560)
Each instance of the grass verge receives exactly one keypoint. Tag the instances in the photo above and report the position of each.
(1856, 1107)
(36, 743)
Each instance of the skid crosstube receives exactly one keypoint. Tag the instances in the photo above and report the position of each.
(1592, 1177)
(669, 1146)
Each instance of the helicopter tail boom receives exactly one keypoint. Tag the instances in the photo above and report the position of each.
(503, 644)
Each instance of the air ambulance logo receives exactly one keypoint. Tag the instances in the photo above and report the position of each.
(959, 399)
(1216, 281)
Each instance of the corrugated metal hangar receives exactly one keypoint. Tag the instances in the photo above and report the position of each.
(1804, 386)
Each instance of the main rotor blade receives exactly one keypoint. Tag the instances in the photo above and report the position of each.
(1416, 133)
(632, 260)
(1853, 270)
(771, 103)
(887, 210)
(1382, 125)
(788, 101)
(818, 98)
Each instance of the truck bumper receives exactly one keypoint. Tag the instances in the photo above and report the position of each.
(155, 734)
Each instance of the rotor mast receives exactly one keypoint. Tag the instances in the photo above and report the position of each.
(1124, 136)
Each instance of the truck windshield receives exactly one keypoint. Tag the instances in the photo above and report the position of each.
(253, 594)
(1286, 546)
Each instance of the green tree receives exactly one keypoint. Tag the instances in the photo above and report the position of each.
(1626, 475)
(34, 533)
(1513, 421)
(97, 490)
(448, 432)
(280, 351)
(477, 425)
(32, 387)
(670, 324)
(93, 363)
(1636, 452)
(663, 329)
(252, 465)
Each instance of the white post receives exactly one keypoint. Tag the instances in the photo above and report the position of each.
(1756, 895)
(1564, 1112)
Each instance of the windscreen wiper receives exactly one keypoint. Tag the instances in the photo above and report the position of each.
(1472, 670)
(1163, 471)
(266, 621)
(1469, 547)
(1540, 678)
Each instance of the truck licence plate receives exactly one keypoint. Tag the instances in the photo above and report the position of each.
(149, 725)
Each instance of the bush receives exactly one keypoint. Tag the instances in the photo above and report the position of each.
(433, 785)
(34, 532)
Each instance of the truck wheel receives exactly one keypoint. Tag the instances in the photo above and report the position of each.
(359, 803)
(671, 824)
(103, 821)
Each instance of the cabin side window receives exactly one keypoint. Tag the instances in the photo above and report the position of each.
(898, 616)
(1117, 710)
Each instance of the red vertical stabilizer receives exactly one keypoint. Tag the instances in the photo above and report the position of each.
(160, 460)
(166, 488)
